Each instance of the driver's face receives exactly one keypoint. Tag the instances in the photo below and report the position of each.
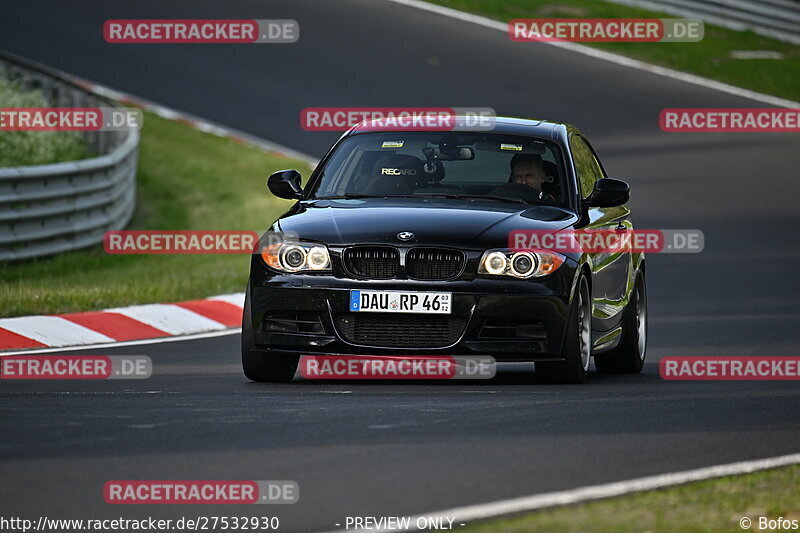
(528, 174)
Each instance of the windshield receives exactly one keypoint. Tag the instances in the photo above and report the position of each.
(497, 167)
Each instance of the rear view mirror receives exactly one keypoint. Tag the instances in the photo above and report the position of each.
(463, 153)
(460, 153)
(286, 184)
(609, 192)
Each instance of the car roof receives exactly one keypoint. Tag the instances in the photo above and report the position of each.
(511, 125)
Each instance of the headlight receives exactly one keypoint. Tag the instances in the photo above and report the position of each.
(296, 257)
(318, 258)
(523, 264)
(520, 264)
(495, 263)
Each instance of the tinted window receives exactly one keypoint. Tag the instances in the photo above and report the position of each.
(586, 165)
(445, 164)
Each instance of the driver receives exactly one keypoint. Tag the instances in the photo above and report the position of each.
(528, 169)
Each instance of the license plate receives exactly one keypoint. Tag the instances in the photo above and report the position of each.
(401, 302)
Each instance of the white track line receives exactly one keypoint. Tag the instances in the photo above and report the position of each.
(192, 119)
(140, 342)
(607, 56)
(52, 330)
(596, 492)
(172, 114)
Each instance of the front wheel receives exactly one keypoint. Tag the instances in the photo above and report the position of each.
(577, 349)
(628, 357)
(260, 366)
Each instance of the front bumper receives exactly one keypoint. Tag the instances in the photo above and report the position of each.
(509, 319)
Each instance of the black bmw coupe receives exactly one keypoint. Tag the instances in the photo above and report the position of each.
(399, 245)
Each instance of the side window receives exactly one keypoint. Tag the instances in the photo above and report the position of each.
(586, 165)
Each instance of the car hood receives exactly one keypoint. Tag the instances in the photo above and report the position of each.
(461, 223)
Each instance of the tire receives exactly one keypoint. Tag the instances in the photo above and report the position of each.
(577, 349)
(260, 366)
(628, 357)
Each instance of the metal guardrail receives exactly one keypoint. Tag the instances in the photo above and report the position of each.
(48, 209)
(779, 19)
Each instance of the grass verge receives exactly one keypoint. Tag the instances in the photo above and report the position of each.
(713, 506)
(187, 180)
(21, 148)
(710, 58)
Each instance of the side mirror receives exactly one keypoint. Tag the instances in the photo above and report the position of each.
(609, 192)
(286, 184)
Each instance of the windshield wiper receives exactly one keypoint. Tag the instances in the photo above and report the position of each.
(347, 196)
(502, 199)
(350, 196)
(474, 196)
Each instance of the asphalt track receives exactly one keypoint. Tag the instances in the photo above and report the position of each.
(378, 449)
